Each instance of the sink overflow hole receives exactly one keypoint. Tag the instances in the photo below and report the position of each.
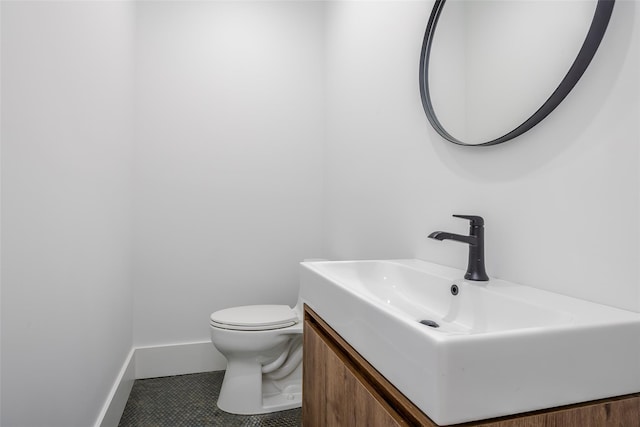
(454, 290)
(430, 323)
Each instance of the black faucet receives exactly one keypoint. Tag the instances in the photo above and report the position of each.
(475, 240)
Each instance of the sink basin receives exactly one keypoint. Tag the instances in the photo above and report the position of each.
(483, 349)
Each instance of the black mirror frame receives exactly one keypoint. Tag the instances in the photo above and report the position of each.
(601, 17)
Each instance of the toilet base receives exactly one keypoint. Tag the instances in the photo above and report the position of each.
(247, 391)
(270, 403)
(287, 399)
(272, 395)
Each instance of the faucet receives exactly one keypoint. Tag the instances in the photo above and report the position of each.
(475, 240)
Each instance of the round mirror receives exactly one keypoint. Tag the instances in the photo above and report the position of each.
(493, 69)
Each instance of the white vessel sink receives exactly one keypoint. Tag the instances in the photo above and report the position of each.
(499, 348)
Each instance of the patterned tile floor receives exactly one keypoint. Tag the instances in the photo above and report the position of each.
(190, 401)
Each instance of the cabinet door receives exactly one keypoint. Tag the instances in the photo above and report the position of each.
(335, 394)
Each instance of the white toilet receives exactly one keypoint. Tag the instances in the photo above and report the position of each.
(263, 347)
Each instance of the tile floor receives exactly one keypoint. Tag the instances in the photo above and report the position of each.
(190, 401)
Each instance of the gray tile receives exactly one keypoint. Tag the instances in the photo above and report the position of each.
(190, 401)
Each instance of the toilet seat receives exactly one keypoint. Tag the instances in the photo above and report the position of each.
(255, 317)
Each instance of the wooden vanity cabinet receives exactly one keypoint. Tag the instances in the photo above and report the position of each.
(341, 389)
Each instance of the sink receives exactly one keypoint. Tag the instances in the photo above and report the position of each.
(464, 351)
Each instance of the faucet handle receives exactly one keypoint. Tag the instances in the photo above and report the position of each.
(476, 221)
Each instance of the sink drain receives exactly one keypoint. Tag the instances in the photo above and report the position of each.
(430, 323)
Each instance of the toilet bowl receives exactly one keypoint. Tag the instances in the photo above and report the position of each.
(263, 348)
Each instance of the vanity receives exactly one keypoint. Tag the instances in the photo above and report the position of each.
(389, 343)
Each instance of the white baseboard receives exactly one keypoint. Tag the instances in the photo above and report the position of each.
(157, 361)
(178, 359)
(117, 399)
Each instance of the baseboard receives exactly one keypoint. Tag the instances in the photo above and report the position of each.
(116, 401)
(178, 359)
(157, 361)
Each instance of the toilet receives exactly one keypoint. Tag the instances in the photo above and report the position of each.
(263, 347)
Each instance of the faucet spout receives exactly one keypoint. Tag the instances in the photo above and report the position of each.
(443, 235)
(475, 240)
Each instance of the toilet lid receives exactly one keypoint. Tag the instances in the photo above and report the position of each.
(255, 317)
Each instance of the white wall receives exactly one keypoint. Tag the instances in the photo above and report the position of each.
(66, 169)
(228, 161)
(235, 180)
(560, 202)
(226, 195)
